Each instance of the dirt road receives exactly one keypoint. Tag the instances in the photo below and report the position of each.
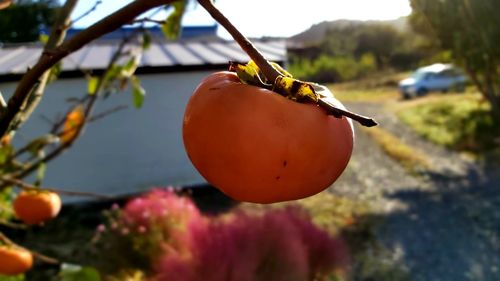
(441, 225)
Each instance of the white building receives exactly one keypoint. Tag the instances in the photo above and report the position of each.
(133, 149)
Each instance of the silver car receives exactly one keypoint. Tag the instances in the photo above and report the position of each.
(436, 77)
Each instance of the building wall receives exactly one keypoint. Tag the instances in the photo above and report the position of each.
(128, 151)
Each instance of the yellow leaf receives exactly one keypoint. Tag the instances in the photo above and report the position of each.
(294, 89)
(73, 121)
(248, 73)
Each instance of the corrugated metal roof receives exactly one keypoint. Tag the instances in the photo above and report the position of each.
(95, 56)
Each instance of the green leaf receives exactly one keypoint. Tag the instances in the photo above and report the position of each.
(249, 74)
(138, 93)
(146, 40)
(129, 68)
(54, 72)
(172, 26)
(92, 85)
(5, 153)
(40, 174)
(71, 272)
(44, 38)
(113, 73)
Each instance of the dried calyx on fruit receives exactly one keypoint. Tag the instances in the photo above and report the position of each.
(294, 89)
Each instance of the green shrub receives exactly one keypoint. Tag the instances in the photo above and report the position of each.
(333, 68)
(464, 124)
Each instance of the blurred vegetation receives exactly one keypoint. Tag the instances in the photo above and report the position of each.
(12, 278)
(377, 88)
(409, 157)
(469, 31)
(357, 50)
(460, 122)
(23, 21)
(328, 68)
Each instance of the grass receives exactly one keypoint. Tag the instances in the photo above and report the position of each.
(410, 158)
(379, 88)
(377, 95)
(461, 122)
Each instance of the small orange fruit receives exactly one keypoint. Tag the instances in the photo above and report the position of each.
(14, 260)
(74, 120)
(257, 146)
(34, 207)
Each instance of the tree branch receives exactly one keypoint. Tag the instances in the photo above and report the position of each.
(50, 57)
(91, 98)
(94, 7)
(37, 255)
(56, 37)
(268, 70)
(26, 186)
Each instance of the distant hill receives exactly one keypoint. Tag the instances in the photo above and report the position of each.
(316, 33)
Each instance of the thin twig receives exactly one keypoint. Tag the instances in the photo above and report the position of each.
(31, 167)
(43, 258)
(12, 224)
(106, 113)
(49, 59)
(26, 186)
(39, 256)
(335, 111)
(94, 7)
(267, 69)
(6, 240)
(146, 20)
(56, 37)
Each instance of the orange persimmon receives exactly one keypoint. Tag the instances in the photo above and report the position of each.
(257, 146)
(34, 207)
(14, 260)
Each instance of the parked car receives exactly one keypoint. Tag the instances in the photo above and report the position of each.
(436, 77)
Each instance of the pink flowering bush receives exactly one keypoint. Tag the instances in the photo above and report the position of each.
(159, 221)
(183, 245)
(280, 244)
(146, 227)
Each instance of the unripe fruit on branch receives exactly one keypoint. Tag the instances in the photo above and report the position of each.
(14, 260)
(35, 207)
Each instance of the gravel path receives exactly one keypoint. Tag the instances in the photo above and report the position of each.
(443, 225)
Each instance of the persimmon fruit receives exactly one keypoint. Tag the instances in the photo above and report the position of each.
(35, 207)
(14, 260)
(257, 146)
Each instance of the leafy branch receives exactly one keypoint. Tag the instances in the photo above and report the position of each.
(87, 103)
(55, 39)
(51, 57)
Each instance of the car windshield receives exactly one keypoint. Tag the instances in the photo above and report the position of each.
(419, 74)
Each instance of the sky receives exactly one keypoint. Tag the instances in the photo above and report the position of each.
(257, 18)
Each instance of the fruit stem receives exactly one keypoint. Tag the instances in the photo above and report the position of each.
(267, 69)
